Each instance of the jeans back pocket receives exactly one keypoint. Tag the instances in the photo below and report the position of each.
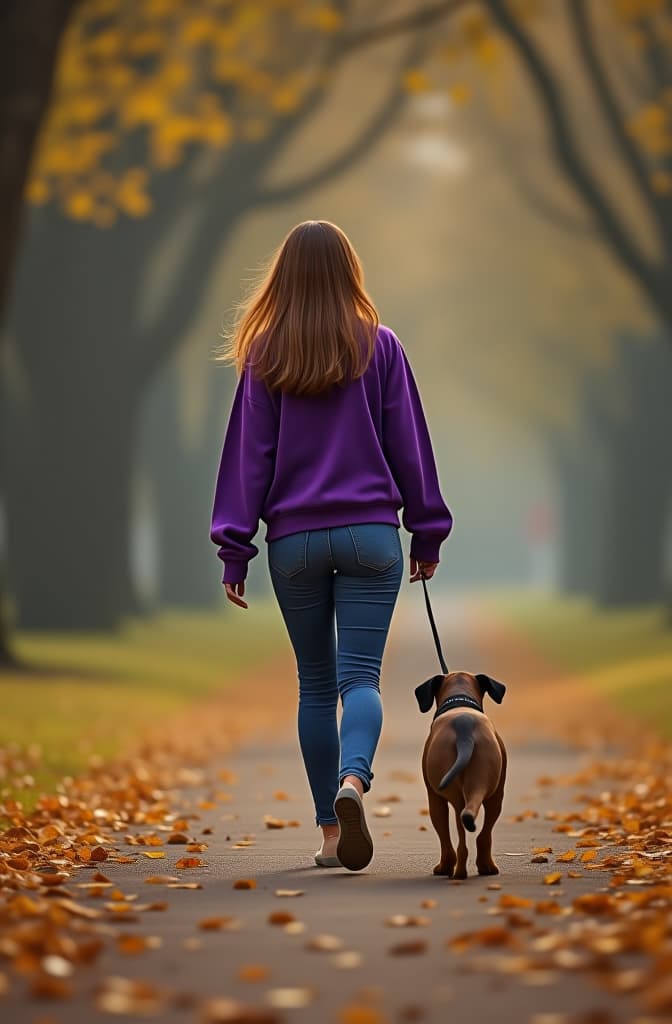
(288, 555)
(377, 545)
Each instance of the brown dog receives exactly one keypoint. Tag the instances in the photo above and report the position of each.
(463, 764)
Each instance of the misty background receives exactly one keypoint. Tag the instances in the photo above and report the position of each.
(543, 361)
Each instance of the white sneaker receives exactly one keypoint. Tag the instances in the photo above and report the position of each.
(355, 845)
(324, 860)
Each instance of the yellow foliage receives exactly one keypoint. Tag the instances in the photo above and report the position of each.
(105, 45)
(131, 196)
(661, 182)
(214, 124)
(79, 204)
(145, 42)
(75, 155)
(488, 51)
(37, 191)
(651, 127)
(326, 18)
(475, 27)
(198, 29)
(459, 93)
(153, 68)
(633, 10)
(227, 69)
(85, 109)
(416, 81)
(144, 106)
(174, 75)
(285, 98)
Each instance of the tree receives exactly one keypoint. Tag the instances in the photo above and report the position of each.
(29, 39)
(623, 111)
(111, 338)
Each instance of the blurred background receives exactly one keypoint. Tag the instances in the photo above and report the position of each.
(503, 169)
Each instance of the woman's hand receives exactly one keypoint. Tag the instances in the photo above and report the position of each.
(420, 569)
(234, 592)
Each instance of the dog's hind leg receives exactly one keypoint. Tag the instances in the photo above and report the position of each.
(461, 865)
(438, 812)
(492, 807)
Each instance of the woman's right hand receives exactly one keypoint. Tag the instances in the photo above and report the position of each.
(420, 569)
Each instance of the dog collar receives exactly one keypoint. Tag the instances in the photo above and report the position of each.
(458, 701)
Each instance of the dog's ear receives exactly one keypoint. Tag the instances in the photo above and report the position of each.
(492, 687)
(427, 691)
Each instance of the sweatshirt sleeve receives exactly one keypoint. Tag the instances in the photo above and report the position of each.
(246, 469)
(408, 450)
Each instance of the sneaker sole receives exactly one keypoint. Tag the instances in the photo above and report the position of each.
(355, 845)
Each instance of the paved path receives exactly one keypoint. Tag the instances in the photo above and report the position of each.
(432, 985)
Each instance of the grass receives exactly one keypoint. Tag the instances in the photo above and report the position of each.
(626, 653)
(90, 693)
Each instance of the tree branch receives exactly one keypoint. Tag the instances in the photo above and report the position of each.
(532, 194)
(613, 115)
(381, 120)
(573, 164)
(398, 26)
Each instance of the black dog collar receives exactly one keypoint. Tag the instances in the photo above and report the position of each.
(458, 701)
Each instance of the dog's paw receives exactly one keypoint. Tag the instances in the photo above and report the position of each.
(489, 868)
(460, 871)
(444, 869)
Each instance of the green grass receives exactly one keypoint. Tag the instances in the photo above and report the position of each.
(626, 653)
(91, 693)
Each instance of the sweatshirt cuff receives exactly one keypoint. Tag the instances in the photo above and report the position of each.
(425, 549)
(234, 571)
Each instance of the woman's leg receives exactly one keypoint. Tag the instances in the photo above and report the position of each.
(369, 563)
(302, 577)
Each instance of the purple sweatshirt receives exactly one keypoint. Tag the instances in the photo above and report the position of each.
(356, 454)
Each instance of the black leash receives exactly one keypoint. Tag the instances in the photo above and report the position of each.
(442, 660)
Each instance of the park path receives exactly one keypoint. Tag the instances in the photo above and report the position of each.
(185, 965)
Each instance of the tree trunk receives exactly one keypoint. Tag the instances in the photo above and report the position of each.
(178, 454)
(636, 512)
(30, 33)
(580, 489)
(67, 505)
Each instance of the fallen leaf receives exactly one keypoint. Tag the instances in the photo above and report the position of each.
(348, 959)
(324, 943)
(408, 948)
(280, 917)
(289, 998)
(223, 921)
(553, 878)
(289, 892)
(253, 972)
(245, 883)
(360, 1013)
(272, 822)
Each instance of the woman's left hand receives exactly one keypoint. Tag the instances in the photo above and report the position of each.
(234, 592)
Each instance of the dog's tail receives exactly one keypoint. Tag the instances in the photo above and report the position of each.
(464, 735)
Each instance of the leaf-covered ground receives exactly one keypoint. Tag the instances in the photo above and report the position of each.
(178, 881)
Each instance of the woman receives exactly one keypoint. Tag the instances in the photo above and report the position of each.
(326, 441)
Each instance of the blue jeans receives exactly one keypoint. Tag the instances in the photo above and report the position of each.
(347, 576)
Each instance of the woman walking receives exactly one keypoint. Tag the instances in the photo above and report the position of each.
(326, 441)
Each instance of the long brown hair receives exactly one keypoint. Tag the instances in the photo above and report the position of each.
(308, 324)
